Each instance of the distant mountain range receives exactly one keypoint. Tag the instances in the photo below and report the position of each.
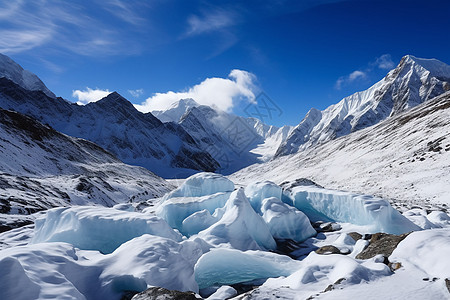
(189, 137)
(234, 141)
(113, 123)
(412, 82)
(405, 158)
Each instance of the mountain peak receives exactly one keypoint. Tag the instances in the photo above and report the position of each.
(436, 67)
(27, 80)
(176, 110)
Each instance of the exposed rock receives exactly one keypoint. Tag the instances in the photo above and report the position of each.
(356, 236)
(287, 185)
(381, 243)
(329, 249)
(158, 293)
(394, 266)
(331, 286)
(447, 284)
(326, 226)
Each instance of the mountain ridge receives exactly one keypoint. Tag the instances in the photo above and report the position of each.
(115, 124)
(406, 86)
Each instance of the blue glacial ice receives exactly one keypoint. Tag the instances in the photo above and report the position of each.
(258, 191)
(338, 206)
(229, 266)
(175, 210)
(202, 184)
(240, 227)
(285, 221)
(98, 228)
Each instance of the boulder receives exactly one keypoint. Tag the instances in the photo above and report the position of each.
(155, 293)
(381, 243)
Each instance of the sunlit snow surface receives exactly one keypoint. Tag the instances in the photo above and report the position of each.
(207, 234)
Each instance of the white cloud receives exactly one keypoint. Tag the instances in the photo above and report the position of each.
(343, 80)
(384, 62)
(355, 75)
(222, 93)
(89, 95)
(136, 93)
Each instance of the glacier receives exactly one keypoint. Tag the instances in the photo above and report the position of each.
(204, 236)
(229, 266)
(202, 184)
(240, 227)
(97, 228)
(376, 214)
(286, 222)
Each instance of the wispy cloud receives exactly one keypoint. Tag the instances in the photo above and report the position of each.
(136, 93)
(210, 21)
(222, 93)
(383, 62)
(127, 11)
(66, 26)
(89, 95)
(217, 22)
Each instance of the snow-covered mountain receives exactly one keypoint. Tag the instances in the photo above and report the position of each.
(234, 141)
(405, 158)
(114, 123)
(13, 71)
(413, 81)
(41, 168)
(175, 111)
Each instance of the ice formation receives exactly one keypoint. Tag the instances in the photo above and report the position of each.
(211, 236)
(175, 210)
(258, 191)
(229, 266)
(240, 227)
(97, 228)
(374, 213)
(286, 222)
(202, 184)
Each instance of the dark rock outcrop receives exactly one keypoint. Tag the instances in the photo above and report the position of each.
(157, 293)
(381, 243)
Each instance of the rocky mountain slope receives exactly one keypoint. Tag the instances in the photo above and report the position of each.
(41, 168)
(405, 158)
(234, 141)
(412, 82)
(114, 123)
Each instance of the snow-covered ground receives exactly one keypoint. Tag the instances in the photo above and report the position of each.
(212, 238)
(405, 158)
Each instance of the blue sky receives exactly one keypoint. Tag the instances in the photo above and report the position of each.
(301, 54)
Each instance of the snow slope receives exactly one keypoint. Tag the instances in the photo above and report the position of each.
(403, 158)
(41, 168)
(11, 70)
(412, 82)
(176, 111)
(114, 123)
